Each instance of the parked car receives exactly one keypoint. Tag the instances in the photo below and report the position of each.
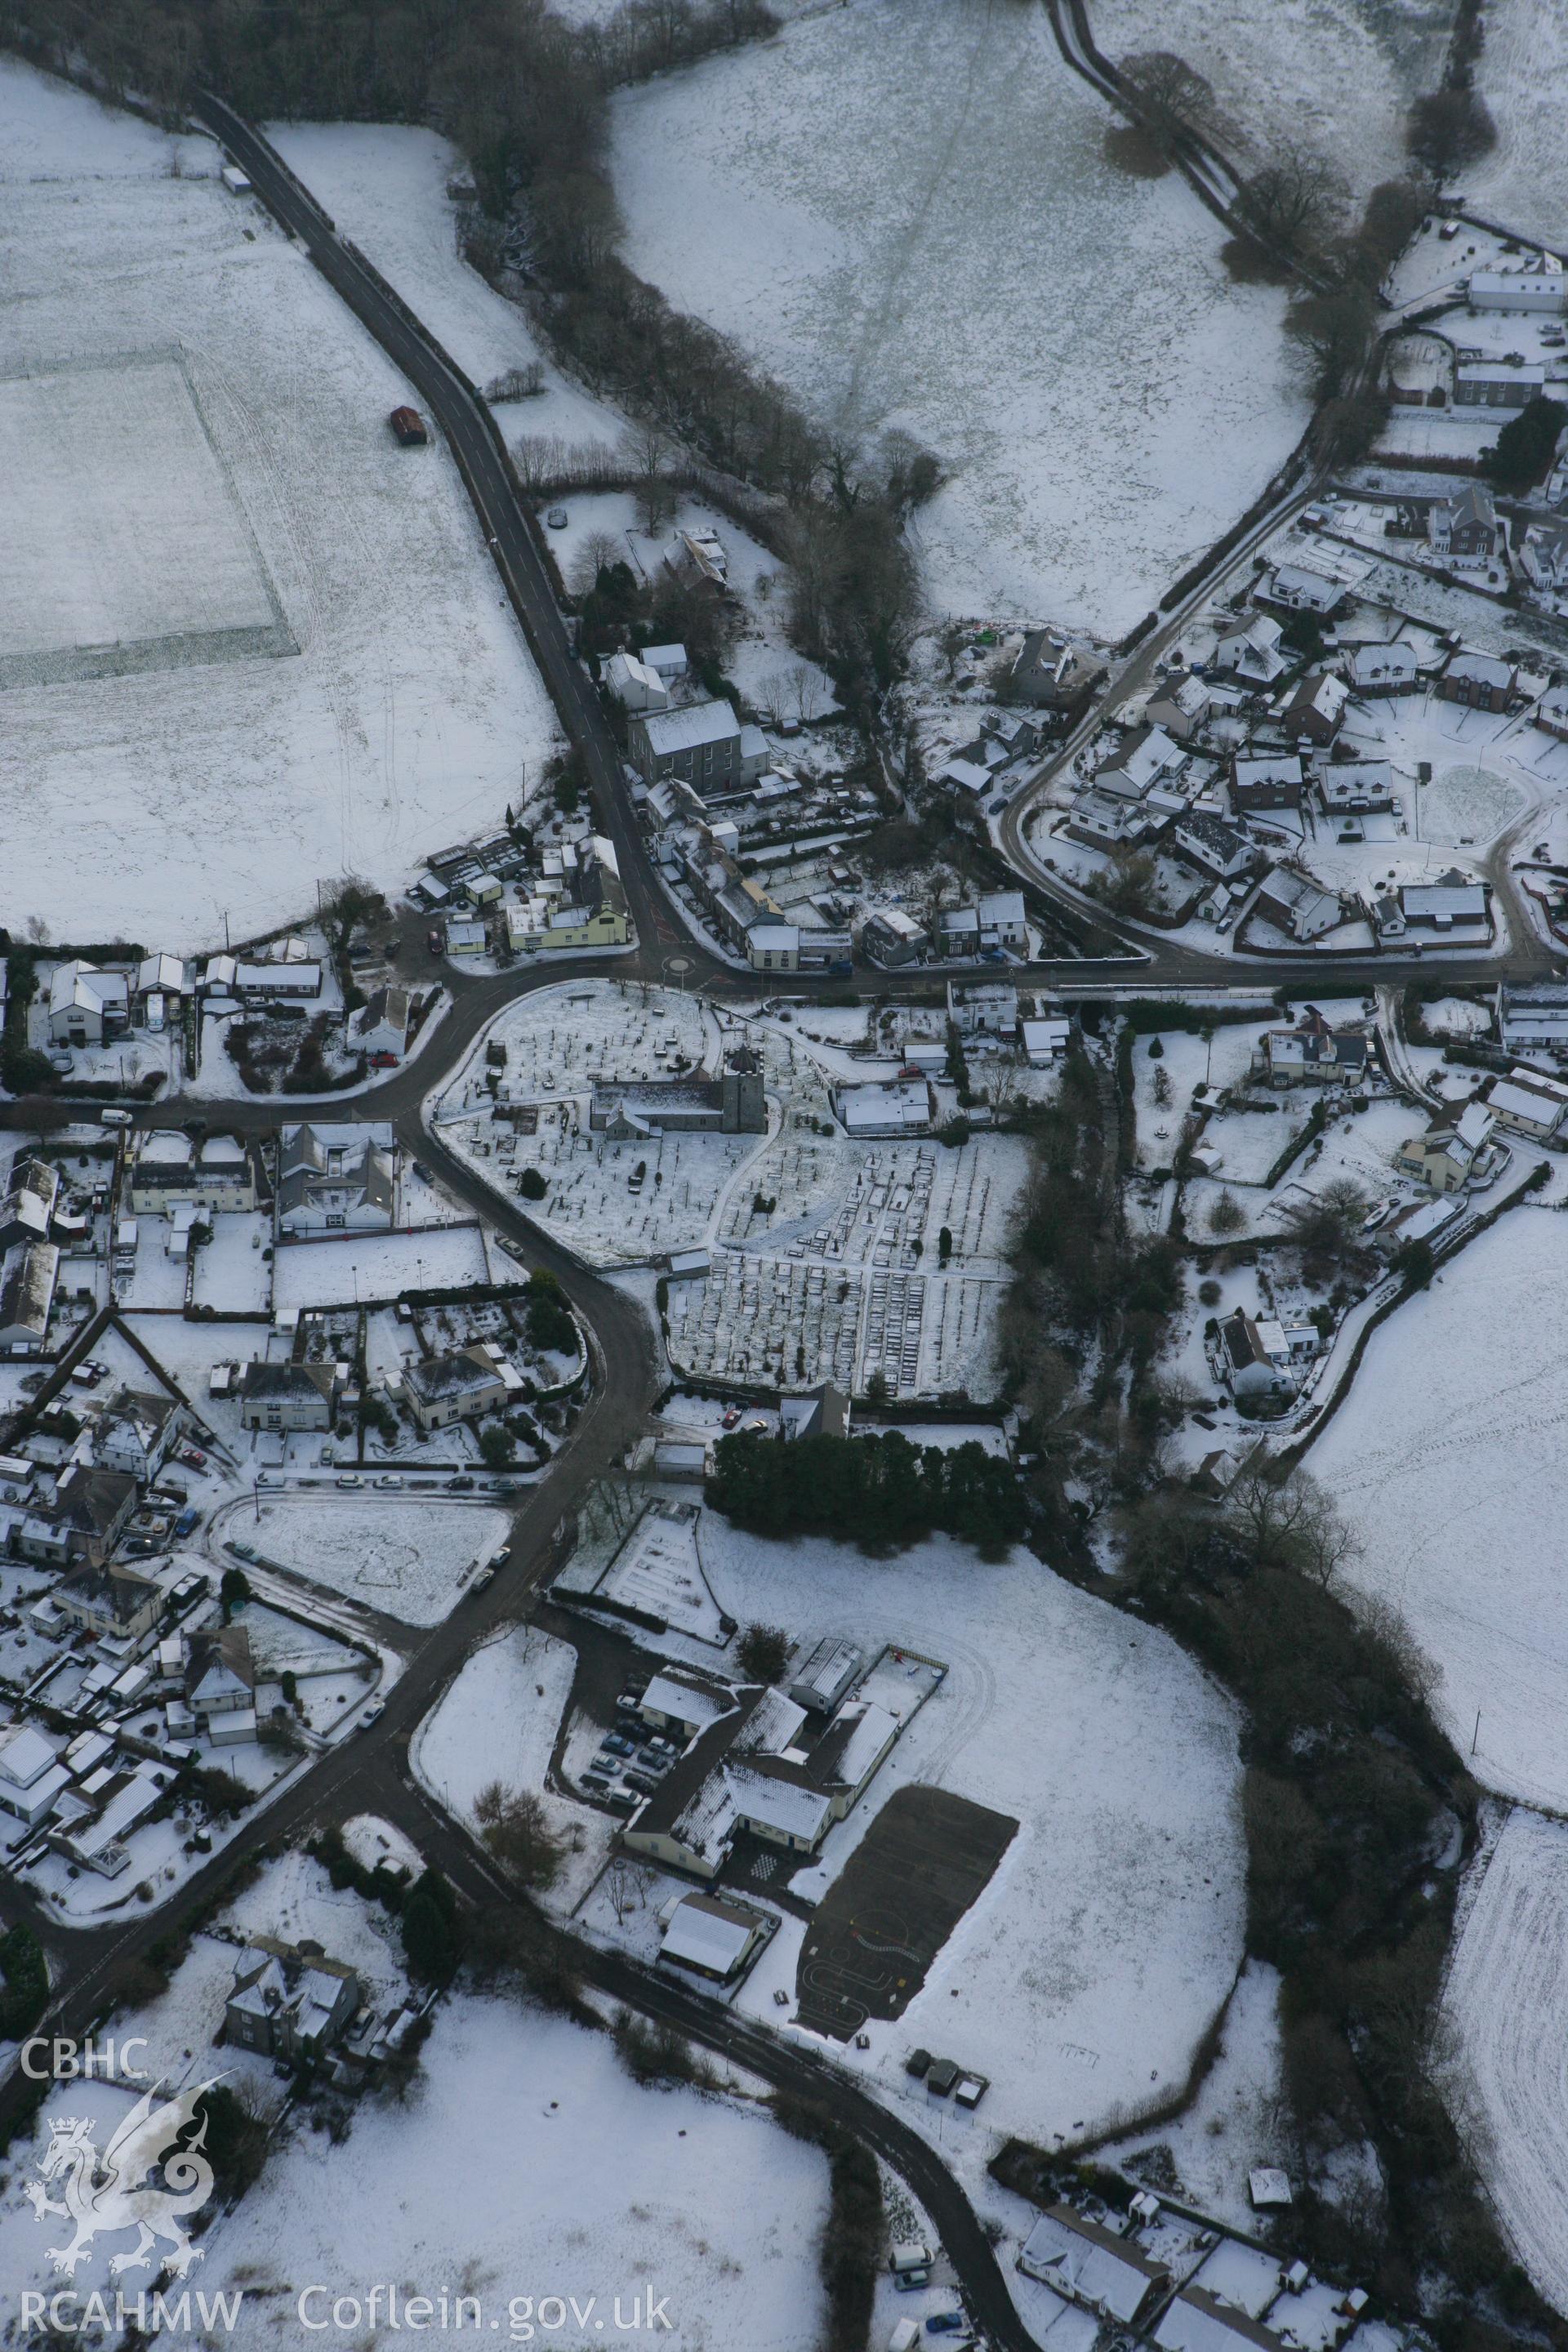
(114, 1119)
(435, 940)
(731, 1419)
(382, 1061)
(622, 1801)
(389, 1478)
(193, 1457)
(597, 1783)
(617, 1745)
(632, 1697)
(351, 1478)
(187, 1523)
(270, 1478)
(373, 1712)
(645, 1784)
(907, 2281)
(557, 517)
(756, 1429)
(461, 1485)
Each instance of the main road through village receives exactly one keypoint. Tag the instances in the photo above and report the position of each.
(370, 1772)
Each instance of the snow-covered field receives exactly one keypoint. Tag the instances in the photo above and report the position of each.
(139, 308)
(948, 252)
(1523, 183)
(531, 2166)
(1111, 1931)
(385, 185)
(409, 1558)
(1449, 1463)
(498, 1721)
(1507, 2012)
(1336, 74)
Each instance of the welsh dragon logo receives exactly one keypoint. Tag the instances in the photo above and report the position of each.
(118, 2192)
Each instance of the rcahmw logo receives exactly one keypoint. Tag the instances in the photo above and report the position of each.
(150, 2178)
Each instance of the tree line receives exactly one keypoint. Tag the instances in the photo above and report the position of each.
(879, 1491)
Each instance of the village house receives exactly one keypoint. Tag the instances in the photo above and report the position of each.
(1551, 713)
(283, 982)
(1480, 681)
(699, 744)
(1050, 673)
(382, 1024)
(119, 1602)
(1252, 651)
(1196, 2321)
(219, 1684)
(1314, 1053)
(1497, 384)
(87, 1007)
(1316, 711)
(137, 1433)
(1356, 787)
(1181, 706)
(1147, 754)
(1451, 1152)
(290, 2001)
(79, 1519)
(166, 1169)
(335, 1178)
(986, 1008)
(1295, 906)
(1455, 903)
(1102, 822)
(773, 947)
(1375, 670)
(1532, 1015)
(31, 1774)
(1252, 1356)
(1265, 779)
(460, 1386)
(286, 1397)
(634, 683)
(1543, 555)
(1462, 531)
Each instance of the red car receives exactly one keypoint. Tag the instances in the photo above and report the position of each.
(731, 1418)
(193, 1457)
(436, 943)
(383, 1061)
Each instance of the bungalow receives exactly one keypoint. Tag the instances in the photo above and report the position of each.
(684, 1703)
(1452, 900)
(1093, 2266)
(1296, 588)
(28, 1273)
(289, 982)
(1480, 681)
(382, 1025)
(285, 1397)
(1296, 905)
(1529, 1106)
(1462, 531)
(902, 1106)
(162, 975)
(1450, 1152)
(25, 1209)
(1216, 847)
(966, 776)
(714, 1936)
(1265, 779)
(1384, 669)
(1181, 708)
(87, 1006)
(460, 1386)
(1316, 711)
(1147, 754)
(467, 939)
(1252, 652)
(1196, 2321)
(1532, 1015)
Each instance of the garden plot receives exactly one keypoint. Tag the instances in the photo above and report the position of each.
(1456, 1478)
(379, 1266)
(1523, 183)
(1506, 2005)
(659, 1570)
(499, 2182)
(408, 1560)
(1103, 399)
(251, 424)
(1337, 74)
(233, 1269)
(1110, 1933)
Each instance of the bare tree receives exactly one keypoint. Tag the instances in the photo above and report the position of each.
(1288, 1521)
(598, 551)
(1296, 200)
(1172, 96)
(648, 452)
(1449, 129)
(1328, 1223)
